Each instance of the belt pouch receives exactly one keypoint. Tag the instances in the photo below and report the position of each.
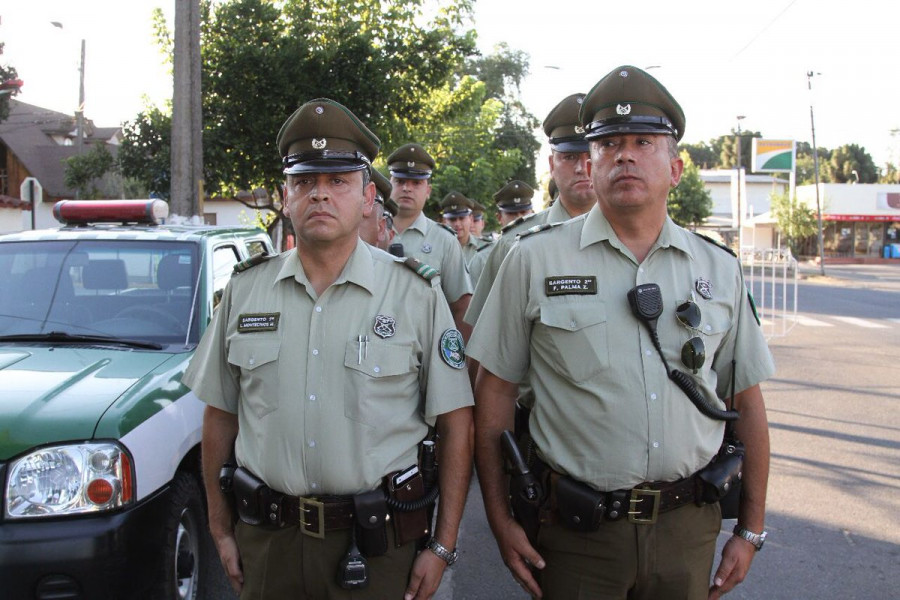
(371, 512)
(248, 490)
(410, 525)
(722, 478)
(580, 507)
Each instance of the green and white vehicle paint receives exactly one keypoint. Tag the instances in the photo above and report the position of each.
(99, 440)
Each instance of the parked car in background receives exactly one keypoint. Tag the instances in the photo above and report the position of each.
(99, 440)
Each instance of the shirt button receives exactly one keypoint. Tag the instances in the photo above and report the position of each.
(318, 309)
(312, 443)
(315, 351)
(708, 328)
(573, 324)
(377, 369)
(648, 352)
(640, 269)
(656, 444)
(653, 396)
(312, 397)
(252, 361)
(314, 485)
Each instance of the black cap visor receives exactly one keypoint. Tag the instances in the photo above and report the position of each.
(410, 174)
(625, 125)
(569, 144)
(324, 161)
(515, 208)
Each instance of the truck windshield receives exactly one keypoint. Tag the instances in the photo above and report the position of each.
(139, 290)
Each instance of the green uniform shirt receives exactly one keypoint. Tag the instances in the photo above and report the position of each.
(438, 248)
(469, 250)
(605, 411)
(318, 411)
(556, 213)
(479, 260)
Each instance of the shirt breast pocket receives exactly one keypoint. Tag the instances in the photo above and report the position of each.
(258, 361)
(576, 338)
(379, 377)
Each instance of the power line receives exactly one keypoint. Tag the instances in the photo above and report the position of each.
(763, 30)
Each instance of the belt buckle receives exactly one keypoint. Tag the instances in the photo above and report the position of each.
(320, 509)
(638, 495)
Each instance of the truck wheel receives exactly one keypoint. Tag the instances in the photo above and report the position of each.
(179, 577)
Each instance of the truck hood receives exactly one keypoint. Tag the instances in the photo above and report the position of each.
(59, 393)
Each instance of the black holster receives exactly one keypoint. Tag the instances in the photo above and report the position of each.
(580, 506)
(721, 478)
(251, 496)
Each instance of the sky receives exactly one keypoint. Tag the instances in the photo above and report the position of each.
(719, 59)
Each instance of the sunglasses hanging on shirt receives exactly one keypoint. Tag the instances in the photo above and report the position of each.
(647, 305)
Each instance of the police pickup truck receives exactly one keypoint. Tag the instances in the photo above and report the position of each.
(99, 440)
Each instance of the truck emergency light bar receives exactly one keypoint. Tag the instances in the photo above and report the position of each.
(82, 212)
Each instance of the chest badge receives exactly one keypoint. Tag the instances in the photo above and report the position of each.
(385, 326)
(426, 248)
(703, 287)
(453, 349)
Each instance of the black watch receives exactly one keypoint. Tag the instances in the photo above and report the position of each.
(757, 539)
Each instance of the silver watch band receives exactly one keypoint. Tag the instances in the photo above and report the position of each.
(446, 555)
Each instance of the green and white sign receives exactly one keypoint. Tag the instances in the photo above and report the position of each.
(773, 156)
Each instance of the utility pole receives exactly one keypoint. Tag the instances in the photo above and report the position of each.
(187, 118)
(812, 123)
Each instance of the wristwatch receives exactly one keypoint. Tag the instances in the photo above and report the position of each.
(757, 539)
(442, 553)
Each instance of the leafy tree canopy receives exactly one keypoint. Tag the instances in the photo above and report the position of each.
(796, 221)
(84, 170)
(851, 163)
(690, 203)
(6, 73)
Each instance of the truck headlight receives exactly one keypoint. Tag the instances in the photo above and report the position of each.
(70, 479)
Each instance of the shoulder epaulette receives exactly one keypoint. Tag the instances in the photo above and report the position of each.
(426, 272)
(537, 229)
(715, 243)
(448, 228)
(485, 246)
(256, 259)
(518, 221)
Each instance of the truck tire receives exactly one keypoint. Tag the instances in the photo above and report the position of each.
(183, 550)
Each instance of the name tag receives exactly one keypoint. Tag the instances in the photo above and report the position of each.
(252, 323)
(570, 284)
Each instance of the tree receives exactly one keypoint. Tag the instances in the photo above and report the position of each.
(890, 174)
(9, 77)
(851, 163)
(84, 170)
(806, 166)
(263, 59)
(690, 203)
(702, 154)
(145, 151)
(796, 221)
(728, 152)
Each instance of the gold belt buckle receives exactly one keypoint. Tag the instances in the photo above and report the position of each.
(304, 525)
(637, 496)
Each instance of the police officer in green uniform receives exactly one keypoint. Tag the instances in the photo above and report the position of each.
(621, 450)
(432, 243)
(324, 369)
(374, 229)
(568, 170)
(478, 223)
(456, 210)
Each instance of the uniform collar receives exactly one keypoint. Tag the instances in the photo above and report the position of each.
(597, 229)
(360, 269)
(557, 213)
(420, 224)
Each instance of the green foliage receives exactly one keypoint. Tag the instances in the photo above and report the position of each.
(890, 174)
(796, 221)
(83, 170)
(728, 149)
(6, 73)
(806, 173)
(851, 163)
(690, 203)
(145, 151)
(702, 154)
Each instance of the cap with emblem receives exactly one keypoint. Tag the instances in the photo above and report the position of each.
(323, 136)
(382, 186)
(564, 128)
(630, 100)
(477, 210)
(515, 196)
(410, 161)
(455, 204)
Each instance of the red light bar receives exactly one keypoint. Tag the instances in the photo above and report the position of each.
(81, 212)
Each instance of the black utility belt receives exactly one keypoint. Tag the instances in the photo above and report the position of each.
(259, 505)
(579, 507)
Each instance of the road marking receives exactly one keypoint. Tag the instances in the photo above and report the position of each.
(861, 322)
(810, 322)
